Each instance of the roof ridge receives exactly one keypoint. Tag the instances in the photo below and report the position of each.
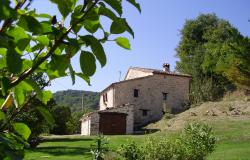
(114, 83)
(162, 71)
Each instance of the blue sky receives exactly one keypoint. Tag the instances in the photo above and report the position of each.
(157, 33)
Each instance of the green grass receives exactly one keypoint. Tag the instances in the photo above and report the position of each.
(233, 140)
(233, 143)
(63, 148)
(73, 147)
(233, 133)
(234, 150)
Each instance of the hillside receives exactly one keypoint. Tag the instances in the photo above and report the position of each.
(229, 119)
(74, 99)
(232, 109)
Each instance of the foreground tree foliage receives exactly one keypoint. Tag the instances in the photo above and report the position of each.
(32, 43)
(215, 54)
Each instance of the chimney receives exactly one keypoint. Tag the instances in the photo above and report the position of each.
(166, 67)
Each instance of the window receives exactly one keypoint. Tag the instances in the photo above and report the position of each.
(144, 112)
(105, 97)
(136, 92)
(165, 95)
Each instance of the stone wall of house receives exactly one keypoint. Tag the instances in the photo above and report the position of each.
(110, 100)
(94, 130)
(90, 124)
(85, 126)
(132, 73)
(149, 105)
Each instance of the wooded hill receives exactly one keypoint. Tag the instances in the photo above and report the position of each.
(74, 99)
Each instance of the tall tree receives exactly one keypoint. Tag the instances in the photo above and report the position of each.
(62, 115)
(215, 54)
(32, 42)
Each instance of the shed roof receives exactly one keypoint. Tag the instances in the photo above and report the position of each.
(108, 110)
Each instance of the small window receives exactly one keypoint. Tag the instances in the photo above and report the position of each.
(105, 97)
(144, 112)
(136, 92)
(165, 95)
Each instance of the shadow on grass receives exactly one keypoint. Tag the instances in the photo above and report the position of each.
(146, 131)
(62, 150)
(68, 139)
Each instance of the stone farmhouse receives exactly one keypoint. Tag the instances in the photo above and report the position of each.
(141, 98)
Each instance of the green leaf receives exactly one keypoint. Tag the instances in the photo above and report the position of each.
(96, 47)
(93, 14)
(91, 22)
(2, 117)
(84, 77)
(43, 15)
(91, 26)
(107, 12)
(87, 62)
(20, 92)
(72, 74)
(6, 11)
(2, 62)
(1, 101)
(30, 24)
(123, 42)
(44, 40)
(5, 84)
(34, 86)
(73, 47)
(19, 96)
(129, 29)
(45, 97)
(21, 38)
(4, 39)
(23, 43)
(22, 129)
(37, 47)
(118, 26)
(58, 65)
(76, 16)
(3, 52)
(46, 27)
(65, 6)
(13, 56)
(116, 5)
(46, 114)
(134, 3)
(17, 33)
(27, 64)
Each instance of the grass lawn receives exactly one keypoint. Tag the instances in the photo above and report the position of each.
(62, 148)
(233, 143)
(78, 147)
(232, 150)
(233, 133)
(233, 140)
(73, 147)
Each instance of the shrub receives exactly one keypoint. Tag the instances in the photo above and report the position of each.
(131, 151)
(195, 143)
(198, 141)
(100, 148)
(158, 149)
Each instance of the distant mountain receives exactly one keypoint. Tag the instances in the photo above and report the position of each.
(74, 98)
